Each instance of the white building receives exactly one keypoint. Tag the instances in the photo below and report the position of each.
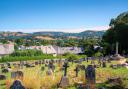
(6, 49)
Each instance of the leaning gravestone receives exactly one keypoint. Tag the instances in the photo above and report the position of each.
(90, 76)
(17, 85)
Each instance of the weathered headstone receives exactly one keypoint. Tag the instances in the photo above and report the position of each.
(90, 77)
(17, 85)
(2, 77)
(49, 72)
(2, 66)
(42, 68)
(104, 63)
(51, 66)
(36, 63)
(5, 70)
(8, 65)
(17, 74)
(76, 70)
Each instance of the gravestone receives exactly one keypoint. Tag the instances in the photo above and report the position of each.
(51, 66)
(114, 66)
(90, 77)
(22, 64)
(49, 72)
(40, 62)
(5, 70)
(17, 85)
(81, 60)
(87, 59)
(36, 63)
(65, 68)
(42, 68)
(81, 67)
(64, 80)
(17, 74)
(29, 65)
(2, 77)
(76, 70)
(2, 66)
(8, 65)
(104, 64)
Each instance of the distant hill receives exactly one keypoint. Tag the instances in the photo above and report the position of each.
(13, 35)
(81, 34)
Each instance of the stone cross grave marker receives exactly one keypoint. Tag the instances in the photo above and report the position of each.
(64, 82)
(65, 68)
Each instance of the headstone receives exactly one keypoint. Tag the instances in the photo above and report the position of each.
(114, 66)
(104, 64)
(64, 82)
(29, 65)
(40, 62)
(36, 63)
(87, 59)
(17, 74)
(2, 66)
(5, 70)
(81, 67)
(90, 77)
(77, 70)
(8, 65)
(2, 77)
(51, 66)
(115, 81)
(49, 72)
(65, 68)
(17, 85)
(42, 68)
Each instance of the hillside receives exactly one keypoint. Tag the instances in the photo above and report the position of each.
(15, 35)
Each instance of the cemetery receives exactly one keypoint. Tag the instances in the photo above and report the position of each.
(87, 73)
(63, 44)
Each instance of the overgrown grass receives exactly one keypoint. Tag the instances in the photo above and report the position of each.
(34, 78)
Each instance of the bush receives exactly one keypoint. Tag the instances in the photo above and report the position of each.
(26, 55)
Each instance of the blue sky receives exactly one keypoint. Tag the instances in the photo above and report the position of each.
(58, 15)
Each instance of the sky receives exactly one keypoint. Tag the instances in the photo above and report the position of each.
(59, 15)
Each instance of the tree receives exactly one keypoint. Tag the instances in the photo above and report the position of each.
(118, 32)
